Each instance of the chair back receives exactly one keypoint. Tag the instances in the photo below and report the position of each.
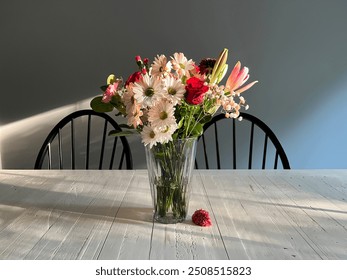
(80, 141)
(232, 144)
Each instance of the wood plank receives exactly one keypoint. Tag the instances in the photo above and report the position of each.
(18, 238)
(130, 233)
(18, 192)
(256, 214)
(252, 226)
(35, 195)
(320, 216)
(86, 219)
(187, 240)
(80, 192)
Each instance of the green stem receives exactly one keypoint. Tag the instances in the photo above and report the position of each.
(170, 187)
(189, 121)
(196, 122)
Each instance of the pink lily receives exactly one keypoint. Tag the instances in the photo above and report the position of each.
(237, 78)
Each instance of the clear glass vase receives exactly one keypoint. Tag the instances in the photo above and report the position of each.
(170, 167)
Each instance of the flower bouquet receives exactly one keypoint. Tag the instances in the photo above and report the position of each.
(168, 102)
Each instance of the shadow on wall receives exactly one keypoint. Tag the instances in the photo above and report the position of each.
(21, 141)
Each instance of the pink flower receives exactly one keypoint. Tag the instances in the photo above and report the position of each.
(110, 91)
(201, 218)
(237, 78)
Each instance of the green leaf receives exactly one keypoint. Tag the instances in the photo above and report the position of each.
(98, 106)
(180, 123)
(159, 155)
(122, 133)
(117, 102)
(184, 80)
(212, 110)
(104, 88)
(197, 131)
(175, 136)
(123, 125)
(206, 119)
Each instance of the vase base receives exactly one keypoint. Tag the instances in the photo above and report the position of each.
(168, 219)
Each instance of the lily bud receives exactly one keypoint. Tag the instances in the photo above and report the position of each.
(222, 73)
(219, 66)
(111, 79)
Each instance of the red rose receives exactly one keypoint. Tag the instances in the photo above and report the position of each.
(195, 91)
(201, 218)
(133, 78)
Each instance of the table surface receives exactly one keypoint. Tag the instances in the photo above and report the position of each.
(256, 214)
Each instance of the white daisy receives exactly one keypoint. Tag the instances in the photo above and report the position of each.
(148, 91)
(174, 90)
(149, 137)
(182, 65)
(162, 115)
(165, 134)
(160, 66)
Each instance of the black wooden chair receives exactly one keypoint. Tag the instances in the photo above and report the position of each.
(232, 144)
(81, 141)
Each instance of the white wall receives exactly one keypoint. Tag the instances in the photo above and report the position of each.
(55, 54)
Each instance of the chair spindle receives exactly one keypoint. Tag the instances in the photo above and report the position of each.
(60, 150)
(72, 144)
(103, 145)
(113, 151)
(234, 144)
(251, 147)
(88, 141)
(264, 152)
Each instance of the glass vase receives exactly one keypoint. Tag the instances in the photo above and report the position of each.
(170, 167)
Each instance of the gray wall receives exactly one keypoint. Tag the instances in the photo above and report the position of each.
(55, 54)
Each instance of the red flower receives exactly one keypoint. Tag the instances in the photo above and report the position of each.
(206, 66)
(133, 78)
(201, 218)
(195, 91)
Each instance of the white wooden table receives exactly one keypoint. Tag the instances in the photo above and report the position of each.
(108, 215)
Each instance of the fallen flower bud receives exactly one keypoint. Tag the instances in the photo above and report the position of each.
(201, 218)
